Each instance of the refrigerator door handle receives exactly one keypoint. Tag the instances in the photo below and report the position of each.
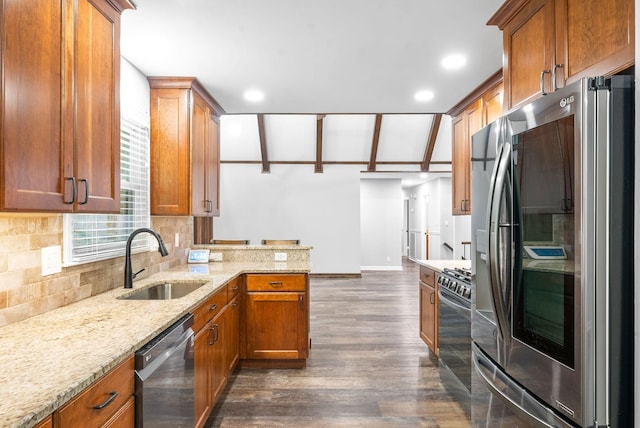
(512, 395)
(497, 297)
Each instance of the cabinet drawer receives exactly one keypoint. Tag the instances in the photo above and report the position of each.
(428, 276)
(209, 309)
(294, 282)
(98, 403)
(233, 288)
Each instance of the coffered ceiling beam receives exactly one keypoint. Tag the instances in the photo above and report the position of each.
(266, 167)
(374, 144)
(431, 142)
(319, 128)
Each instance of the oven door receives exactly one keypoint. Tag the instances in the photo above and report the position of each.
(454, 334)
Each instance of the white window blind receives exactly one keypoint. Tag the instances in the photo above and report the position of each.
(92, 237)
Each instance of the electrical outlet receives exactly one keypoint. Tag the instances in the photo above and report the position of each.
(177, 240)
(280, 257)
(215, 257)
(51, 260)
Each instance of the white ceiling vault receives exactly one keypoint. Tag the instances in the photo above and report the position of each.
(346, 61)
(404, 143)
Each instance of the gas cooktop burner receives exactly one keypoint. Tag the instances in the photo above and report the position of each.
(457, 281)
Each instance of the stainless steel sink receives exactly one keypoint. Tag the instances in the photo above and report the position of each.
(165, 290)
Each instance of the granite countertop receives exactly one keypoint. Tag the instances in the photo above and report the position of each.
(440, 265)
(48, 359)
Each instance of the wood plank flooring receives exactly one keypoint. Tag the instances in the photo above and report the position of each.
(367, 366)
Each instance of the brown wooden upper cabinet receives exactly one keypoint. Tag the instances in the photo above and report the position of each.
(481, 107)
(185, 149)
(60, 67)
(549, 43)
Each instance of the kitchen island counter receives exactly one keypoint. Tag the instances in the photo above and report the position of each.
(48, 359)
(440, 265)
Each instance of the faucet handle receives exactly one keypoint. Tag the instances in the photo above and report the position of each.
(136, 274)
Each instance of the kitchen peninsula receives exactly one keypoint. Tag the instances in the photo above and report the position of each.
(50, 358)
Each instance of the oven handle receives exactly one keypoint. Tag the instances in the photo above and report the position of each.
(497, 297)
(513, 395)
(450, 302)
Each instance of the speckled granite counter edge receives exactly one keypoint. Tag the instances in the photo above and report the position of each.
(48, 359)
(440, 265)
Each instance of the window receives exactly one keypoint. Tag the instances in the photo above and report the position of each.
(92, 237)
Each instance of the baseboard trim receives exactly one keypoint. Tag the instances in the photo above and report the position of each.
(380, 267)
(335, 275)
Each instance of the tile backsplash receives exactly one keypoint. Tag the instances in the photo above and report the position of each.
(24, 292)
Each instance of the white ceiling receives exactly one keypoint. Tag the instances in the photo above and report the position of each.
(328, 56)
(349, 58)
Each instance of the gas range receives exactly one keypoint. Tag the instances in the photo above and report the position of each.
(456, 281)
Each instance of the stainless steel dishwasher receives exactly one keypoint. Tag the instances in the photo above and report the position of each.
(165, 378)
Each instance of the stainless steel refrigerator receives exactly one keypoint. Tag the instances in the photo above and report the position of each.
(552, 260)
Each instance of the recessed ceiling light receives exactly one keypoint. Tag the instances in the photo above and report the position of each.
(453, 62)
(423, 96)
(253, 95)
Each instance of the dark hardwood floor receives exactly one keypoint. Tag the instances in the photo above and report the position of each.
(368, 366)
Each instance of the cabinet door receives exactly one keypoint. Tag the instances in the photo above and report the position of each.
(492, 104)
(36, 157)
(232, 334)
(213, 166)
(469, 122)
(458, 171)
(529, 49)
(199, 137)
(218, 355)
(594, 37)
(97, 121)
(170, 152)
(202, 358)
(125, 418)
(276, 325)
(428, 316)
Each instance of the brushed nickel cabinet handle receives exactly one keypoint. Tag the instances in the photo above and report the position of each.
(301, 300)
(553, 76)
(112, 396)
(213, 307)
(542, 81)
(276, 284)
(431, 298)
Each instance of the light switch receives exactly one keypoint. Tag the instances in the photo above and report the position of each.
(51, 260)
(280, 257)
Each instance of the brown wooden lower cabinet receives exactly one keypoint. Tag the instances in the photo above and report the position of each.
(429, 308)
(211, 370)
(273, 331)
(46, 423)
(109, 402)
(276, 320)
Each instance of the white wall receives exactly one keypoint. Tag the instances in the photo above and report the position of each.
(293, 202)
(134, 90)
(435, 197)
(381, 224)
